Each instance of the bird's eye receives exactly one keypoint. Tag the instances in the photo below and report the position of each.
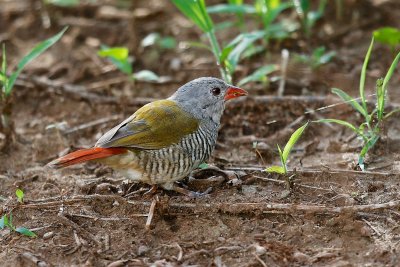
(216, 91)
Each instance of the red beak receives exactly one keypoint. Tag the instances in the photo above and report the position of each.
(234, 92)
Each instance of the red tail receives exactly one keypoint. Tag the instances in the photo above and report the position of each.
(85, 155)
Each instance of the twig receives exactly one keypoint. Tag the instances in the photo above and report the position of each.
(372, 227)
(260, 260)
(91, 124)
(151, 213)
(284, 64)
(107, 218)
(295, 184)
(311, 171)
(79, 229)
(223, 207)
(33, 259)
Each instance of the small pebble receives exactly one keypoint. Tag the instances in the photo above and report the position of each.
(48, 235)
(142, 250)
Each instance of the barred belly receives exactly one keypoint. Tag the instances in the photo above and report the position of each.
(167, 165)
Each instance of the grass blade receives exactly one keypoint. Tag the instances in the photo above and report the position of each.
(381, 101)
(246, 40)
(275, 169)
(3, 221)
(3, 72)
(35, 52)
(344, 123)
(348, 99)
(259, 74)
(25, 231)
(195, 10)
(292, 141)
(231, 8)
(364, 73)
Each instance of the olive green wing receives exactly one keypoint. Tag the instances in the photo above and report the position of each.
(154, 126)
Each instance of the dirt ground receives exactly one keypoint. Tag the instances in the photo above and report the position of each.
(86, 215)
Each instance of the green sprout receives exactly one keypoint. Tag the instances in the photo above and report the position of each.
(369, 131)
(20, 195)
(119, 56)
(318, 57)
(228, 56)
(7, 82)
(389, 36)
(286, 152)
(6, 222)
(307, 16)
(196, 11)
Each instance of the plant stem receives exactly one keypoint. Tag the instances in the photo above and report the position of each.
(217, 52)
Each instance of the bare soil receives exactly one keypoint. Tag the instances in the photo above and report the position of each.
(333, 215)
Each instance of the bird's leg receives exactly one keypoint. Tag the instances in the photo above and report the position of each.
(191, 194)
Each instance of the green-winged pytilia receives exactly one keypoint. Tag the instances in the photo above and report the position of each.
(165, 140)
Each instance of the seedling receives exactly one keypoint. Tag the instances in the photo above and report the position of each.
(268, 11)
(7, 82)
(119, 56)
(388, 36)
(228, 57)
(318, 57)
(196, 11)
(20, 195)
(307, 16)
(369, 131)
(286, 152)
(6, 222)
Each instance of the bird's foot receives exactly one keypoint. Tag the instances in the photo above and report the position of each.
(191, 194)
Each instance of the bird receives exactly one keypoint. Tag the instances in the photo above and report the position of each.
(165, 140)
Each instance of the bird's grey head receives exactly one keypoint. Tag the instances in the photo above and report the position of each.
(205, 97)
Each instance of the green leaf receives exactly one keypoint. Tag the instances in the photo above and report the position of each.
(167, 42)
(275, 169)
(231, 8)
(381, 102)
(118, 53)
(118, 56)
(364, 73)
(380, 96)
(387, 35)
(259, 74)
(292, 141)
(348, 99)
(63, 3)
(146, 75)
(367, 146)
(241, 43)
(35, 52)
(272, 12)
(25, 231)
(195, 10)
(391, 113)
(4, 221)
(3, 73)
(344, 123)
(283, 162)
(10, 222)
(20, 195)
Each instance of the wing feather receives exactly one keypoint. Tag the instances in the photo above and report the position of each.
(154, 126)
